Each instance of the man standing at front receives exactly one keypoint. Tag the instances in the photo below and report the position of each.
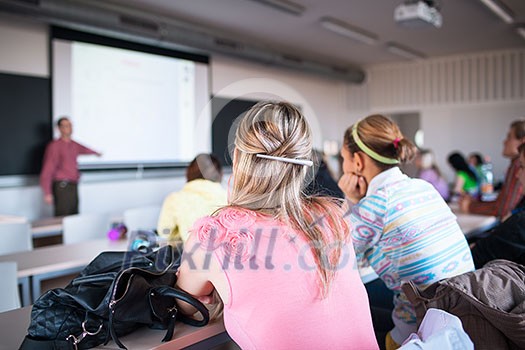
(60, 175)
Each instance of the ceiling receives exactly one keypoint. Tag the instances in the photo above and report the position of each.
(468, 26)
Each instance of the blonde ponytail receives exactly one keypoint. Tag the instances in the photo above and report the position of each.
(278, 129)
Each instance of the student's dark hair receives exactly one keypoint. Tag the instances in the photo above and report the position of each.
(521, 149)
(204, 166)
(61, 119)
(382, 136)
(518, 128)
(478, 157)
(458, 162)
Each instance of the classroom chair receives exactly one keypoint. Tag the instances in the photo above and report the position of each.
(9, 297)
(142, 218)
(16, 237)
(84, 227)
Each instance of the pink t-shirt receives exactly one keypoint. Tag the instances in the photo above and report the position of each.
(274, 295)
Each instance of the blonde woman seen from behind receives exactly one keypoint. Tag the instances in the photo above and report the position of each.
(281, 262)
(400, 226)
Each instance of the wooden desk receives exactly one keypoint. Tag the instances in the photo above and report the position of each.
(53, 226)
(13, 328)
(11, 218)
(54, 261)
(39, 228)
(472, 224)
(47, 227)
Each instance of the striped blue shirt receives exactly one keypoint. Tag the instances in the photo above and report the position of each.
(404, 229)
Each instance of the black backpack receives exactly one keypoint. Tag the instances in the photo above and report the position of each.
(112, 296)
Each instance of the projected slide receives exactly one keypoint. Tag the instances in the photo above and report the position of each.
(131, 106)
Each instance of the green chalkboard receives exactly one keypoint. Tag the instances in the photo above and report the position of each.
(25, 123)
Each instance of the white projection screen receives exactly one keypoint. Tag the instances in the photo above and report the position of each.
(138, 105)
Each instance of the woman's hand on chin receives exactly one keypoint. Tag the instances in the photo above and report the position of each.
(354, 186)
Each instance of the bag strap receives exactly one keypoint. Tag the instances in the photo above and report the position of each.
(414, 296)
(188, 298)
(113, 334)
(167, 291)
(33, 344)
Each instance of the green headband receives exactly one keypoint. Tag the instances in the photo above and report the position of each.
(372, 154)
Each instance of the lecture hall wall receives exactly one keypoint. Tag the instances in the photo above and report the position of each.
(464, 102)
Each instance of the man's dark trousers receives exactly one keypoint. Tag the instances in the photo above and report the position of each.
(65, 197)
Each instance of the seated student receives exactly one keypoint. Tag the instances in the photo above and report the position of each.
(466, 178)
(400, 226)
(475, 160)
(281, 262)
(429, 171)
(200, 196)
(323, 183)
(512, 190)
(507, 240)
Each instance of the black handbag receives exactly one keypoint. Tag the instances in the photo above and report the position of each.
(111, 297)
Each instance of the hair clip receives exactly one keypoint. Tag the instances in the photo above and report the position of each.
(305, 162)
(396, 142)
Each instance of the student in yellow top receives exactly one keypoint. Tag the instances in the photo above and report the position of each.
(200, 196)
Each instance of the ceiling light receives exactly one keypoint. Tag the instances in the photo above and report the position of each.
(404, 51)
(284, 5)
(521, 31)
(500, 9)
(345, 29)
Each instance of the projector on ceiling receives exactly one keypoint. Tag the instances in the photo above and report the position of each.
(418, 14)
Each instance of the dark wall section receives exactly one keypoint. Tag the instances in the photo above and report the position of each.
(224, 113)
(25, 127)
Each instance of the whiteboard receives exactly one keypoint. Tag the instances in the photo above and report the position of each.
(133, 107)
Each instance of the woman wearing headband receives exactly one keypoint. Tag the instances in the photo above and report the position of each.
(400, 226)
(282, 263)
